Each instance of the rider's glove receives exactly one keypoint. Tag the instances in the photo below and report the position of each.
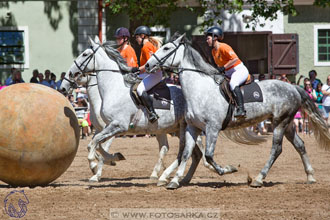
(135, 70)
(221, 69)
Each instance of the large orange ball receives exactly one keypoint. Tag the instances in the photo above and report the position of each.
(39, 134)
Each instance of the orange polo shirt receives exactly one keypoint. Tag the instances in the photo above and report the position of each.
(147, 50)
(129, 55)
(224, 54)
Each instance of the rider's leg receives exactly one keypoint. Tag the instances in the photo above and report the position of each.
(147, 83)
(238, 77)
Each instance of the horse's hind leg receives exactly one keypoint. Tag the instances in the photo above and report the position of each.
(163, 149)
(97, 170)
(292, 136)
(276, 150)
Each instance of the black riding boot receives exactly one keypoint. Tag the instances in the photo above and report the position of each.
(147, 102)
(240, 112)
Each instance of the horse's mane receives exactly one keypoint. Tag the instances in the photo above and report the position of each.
(115, 56)
(125, 70)
(195, 58)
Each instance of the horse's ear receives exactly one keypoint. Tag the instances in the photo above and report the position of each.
(181, 39)
(91, 42)
(97, 39)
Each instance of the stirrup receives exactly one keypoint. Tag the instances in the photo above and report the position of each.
(153, 117)
(240, 113)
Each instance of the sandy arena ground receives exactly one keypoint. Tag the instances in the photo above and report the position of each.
(127, 185)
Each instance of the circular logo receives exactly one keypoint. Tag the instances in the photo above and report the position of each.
(256, 95)
(16, 204)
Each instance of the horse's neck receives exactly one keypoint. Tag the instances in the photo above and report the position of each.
(93, 94)
(108, 81)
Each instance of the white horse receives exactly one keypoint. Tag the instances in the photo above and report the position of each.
(95, 102)
(207, 109)
(118, 109)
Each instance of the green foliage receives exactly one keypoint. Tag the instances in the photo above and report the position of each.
(158, 12)
(146, 12)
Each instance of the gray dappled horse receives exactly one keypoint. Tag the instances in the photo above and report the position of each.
(118, 109)
(207, 109)
(95, 103)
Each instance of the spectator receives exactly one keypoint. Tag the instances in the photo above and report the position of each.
(312, 78)
(298, 121)
(82, 114)
(9, 80)
(41, 78)
(261, 77)
(308, 88)
(46, 80)
(71, 100)
(53, 80)
(58, 83)
(284, 78)
(17, 77)
(318, 95)
(272, 76)
(326, 98)
(34, 78)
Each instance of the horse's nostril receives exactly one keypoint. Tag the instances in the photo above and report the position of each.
(70, 74)
(147, 65)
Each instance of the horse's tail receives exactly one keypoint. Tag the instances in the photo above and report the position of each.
(243, 136)
(318, 125)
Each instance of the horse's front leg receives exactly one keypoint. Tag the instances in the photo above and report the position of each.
(190, 142)
(97, 167)
(212, 133)
(163, 149)
(108, 132)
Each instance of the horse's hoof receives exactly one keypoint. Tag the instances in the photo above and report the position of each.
(311, 181)
(153, 177)
(230, 169)
(94, 179)
(161, 183)
(119, 156)
(112, 163)
(256, 184)
(172, 185)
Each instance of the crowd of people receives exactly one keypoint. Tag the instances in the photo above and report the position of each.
(318, 92)
(47, 79)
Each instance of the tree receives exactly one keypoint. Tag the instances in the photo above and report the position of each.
(144, 12)
(158, 12)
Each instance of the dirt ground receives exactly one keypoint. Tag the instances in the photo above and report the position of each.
(127, 185)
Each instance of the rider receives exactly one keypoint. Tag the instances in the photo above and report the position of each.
(228, 63)
(125, 49)
(149, 46)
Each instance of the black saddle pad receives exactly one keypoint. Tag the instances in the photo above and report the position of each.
(252, 93)
(160, 94)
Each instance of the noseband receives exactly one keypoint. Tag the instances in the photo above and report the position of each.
(162, 61)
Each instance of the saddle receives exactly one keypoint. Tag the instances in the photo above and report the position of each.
(251, 93)
(160, 95)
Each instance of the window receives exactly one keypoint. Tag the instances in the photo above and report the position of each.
(322, 45)
(13, 47)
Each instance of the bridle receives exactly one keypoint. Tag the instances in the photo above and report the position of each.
(162, 61)
(82, 69)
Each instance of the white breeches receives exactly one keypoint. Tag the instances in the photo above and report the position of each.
(149, 81)
(238, 75)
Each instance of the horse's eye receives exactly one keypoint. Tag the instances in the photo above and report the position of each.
(84, 54)
(166, 48)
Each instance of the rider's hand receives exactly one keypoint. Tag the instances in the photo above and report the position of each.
(135, 70)
(221, 69)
